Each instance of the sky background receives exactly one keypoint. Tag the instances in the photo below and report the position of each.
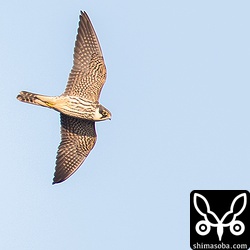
(178, 89)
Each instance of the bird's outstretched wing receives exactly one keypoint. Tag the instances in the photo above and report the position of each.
(78, 138)
(88, 74)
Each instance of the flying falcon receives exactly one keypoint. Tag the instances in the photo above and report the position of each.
(79, 105)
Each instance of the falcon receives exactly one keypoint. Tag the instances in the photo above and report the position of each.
(79, 105)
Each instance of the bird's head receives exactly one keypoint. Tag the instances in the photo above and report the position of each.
(102, 113)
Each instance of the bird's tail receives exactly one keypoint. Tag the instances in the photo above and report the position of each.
(36, 99)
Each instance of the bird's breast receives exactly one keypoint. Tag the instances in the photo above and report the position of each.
(76, 107)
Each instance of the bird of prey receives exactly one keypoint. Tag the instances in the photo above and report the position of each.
(79, 105)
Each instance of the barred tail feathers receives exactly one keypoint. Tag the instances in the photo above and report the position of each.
(36, 99)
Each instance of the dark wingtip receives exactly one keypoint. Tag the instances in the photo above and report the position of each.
(83, 13)
(56, 182)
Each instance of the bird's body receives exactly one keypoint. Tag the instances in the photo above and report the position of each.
(74, 106)
(79, 104)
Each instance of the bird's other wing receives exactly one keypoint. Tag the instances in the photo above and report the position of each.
(78, 139)
(88, 74)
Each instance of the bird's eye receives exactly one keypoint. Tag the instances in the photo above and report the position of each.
(104, 113)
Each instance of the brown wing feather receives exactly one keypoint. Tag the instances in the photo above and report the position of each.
(88, 74)
(78, 139)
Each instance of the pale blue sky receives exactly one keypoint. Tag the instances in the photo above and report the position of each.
(178, 89)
